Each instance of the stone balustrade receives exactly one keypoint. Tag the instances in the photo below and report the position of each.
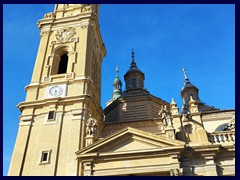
(222, 137)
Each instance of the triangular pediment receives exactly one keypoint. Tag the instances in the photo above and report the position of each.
(129, 140)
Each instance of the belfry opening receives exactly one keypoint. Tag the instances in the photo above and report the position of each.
(63, 64)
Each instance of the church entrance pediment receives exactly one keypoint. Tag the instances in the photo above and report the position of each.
(131, 151)
(129, 140)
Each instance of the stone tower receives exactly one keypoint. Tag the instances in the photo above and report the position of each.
(64, 93)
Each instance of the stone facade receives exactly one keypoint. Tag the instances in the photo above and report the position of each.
(63, 130)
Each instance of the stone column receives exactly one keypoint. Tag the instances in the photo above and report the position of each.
(206, 168)
(210, 167)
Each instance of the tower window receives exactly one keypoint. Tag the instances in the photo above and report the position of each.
(63, 64)
(128, 84)
(45, 157)
(133, 83)
(141, 83)
(51, 115)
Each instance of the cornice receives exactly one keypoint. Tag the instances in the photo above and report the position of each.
(37, 103)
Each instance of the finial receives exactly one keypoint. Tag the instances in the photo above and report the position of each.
(191, 98)
(133, 54)
(173, 101)
(184, 72)
(133, 64)
(191, 102)
(173, 107)
(173, 104)
(116, 71)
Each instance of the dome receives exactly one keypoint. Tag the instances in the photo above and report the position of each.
(117, 80)
(134, 77)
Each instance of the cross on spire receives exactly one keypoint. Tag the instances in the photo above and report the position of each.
(185, 74)
(116, 71)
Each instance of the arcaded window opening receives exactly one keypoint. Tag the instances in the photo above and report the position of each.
(62, 68)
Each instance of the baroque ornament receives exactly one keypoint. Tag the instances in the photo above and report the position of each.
(49, 15)
(166, 117)
(91, 128)
(65, 34)
(174, 172)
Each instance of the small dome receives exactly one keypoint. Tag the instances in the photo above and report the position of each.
(117, 80)
(187, 84)
(117, 86)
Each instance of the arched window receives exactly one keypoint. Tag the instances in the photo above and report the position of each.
(62, 68)
(222, 127)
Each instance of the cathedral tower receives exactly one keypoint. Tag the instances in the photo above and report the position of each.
(63, 94)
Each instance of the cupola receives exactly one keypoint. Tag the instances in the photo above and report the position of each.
(189, 90)
(117, 86)
(134, 78)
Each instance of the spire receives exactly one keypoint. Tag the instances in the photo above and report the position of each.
(133, 64)
(134, 78)
(189, 92)
(117, 86)
(187, 83)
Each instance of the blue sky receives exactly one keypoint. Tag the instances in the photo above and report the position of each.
(165, 39)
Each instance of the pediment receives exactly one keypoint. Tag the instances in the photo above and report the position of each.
(129, 140)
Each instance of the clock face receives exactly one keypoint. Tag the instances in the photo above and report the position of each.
(55, 91)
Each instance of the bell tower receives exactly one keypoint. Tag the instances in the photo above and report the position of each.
(63, 94)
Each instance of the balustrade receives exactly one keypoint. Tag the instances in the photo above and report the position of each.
(222, 137)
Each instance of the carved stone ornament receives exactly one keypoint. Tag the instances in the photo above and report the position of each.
(170, 135)
(91, 128)
(49, 15)
(65, 34)
(45, 33)
(174, 172)
(166, 117)
(88, 8)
